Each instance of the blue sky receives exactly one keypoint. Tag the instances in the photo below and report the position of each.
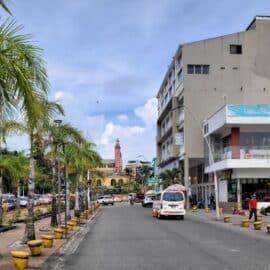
(106, 59)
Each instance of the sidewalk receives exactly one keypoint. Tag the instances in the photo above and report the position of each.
(10, 240)
(235, 224)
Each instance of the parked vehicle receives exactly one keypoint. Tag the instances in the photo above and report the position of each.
(45, 199)
(171, 202)
(36, 199)
(23, 201)
(11, 203)
(107, 199)
(100, 199)
(149, 197)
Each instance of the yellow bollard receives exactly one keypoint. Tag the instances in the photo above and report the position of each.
(47, 240)
(20, 259)
(227, 219)
(268, 228)
(245, 223)
(58, 233)
(257, 225)
(35, 247)
(259, 218)
(220, 210)
(207, 210)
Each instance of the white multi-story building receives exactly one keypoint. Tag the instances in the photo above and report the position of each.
(203, 77)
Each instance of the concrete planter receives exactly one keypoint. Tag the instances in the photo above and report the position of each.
(20, 259)
(194, 209)
(47, 240)
(227, 219)
(35, 247)
(220, 210)
(58, 233)
(207, 210)
(245, 223)
(257, 225)
(259, 218)
(70, 226)
(75, 221)
(268, 228)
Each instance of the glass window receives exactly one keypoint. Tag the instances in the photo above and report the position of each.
(190, 69)
(205, 69)
(172, 196)
(198, 69)
(235, 49)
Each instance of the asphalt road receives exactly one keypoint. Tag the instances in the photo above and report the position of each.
(127, 237)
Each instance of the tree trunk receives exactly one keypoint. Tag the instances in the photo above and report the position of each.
(1, 195)
(77, 205)
(18, 199)
(29, 233)
(59, 190)
(67, 194)
(54, 206)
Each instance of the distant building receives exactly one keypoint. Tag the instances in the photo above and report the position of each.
(110, 173)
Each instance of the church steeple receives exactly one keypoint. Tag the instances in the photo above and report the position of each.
(118, 157)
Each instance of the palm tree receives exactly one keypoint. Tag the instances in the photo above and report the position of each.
(34, 126)
(169, 177)
(4, 6)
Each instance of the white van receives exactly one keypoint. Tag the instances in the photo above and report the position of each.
(170, 203)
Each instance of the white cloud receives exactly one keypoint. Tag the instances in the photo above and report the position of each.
(122, 117)
(148, 112)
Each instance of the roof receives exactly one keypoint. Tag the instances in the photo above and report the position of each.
(257, 17)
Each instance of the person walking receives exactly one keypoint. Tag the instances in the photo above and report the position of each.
(253, 207)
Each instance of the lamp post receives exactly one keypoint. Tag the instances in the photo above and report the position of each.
(211, 158)
(58, 123)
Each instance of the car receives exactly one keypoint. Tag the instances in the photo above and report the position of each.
(148, 200)
(36, 199)
(11, 203)
(107, 199)
(45, 199)
(100, 199)
(23, 201)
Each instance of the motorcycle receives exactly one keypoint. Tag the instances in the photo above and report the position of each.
(131, 201)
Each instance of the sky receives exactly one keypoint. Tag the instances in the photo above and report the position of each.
(107, 58)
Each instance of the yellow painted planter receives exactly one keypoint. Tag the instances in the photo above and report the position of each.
(47, 240)
(35, 247)
(70, 226)
(259, 218)
(74, 221)
(194, 209)
(268, 228)
(207, 210)
(257, 225)
(220, 210)
(245, 223)
(20, 259)
(58, 233)
(227, 219)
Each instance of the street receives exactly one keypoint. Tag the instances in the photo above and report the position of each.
(128, 237)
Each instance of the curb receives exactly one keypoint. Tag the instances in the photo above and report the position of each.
(262, 235)
(57, 259)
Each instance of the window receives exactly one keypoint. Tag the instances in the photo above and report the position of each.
(235, 49)
(172, 196)
(198, 69)
(206, 129)
(190, 69)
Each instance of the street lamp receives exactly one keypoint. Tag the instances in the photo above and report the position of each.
(211, 158)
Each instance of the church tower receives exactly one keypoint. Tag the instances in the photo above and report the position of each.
(118, 157)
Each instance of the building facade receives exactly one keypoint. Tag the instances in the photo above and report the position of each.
(203, 77)
(110, 173)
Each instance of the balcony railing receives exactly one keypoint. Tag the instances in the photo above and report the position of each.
(242, 152)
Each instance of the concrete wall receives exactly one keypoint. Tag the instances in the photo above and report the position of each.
(233, 78)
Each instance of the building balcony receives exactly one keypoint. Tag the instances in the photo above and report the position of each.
(164, 136)
(179, 89)
(239, 157)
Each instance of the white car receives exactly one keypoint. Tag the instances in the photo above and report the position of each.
(23, 201)
(107, 199)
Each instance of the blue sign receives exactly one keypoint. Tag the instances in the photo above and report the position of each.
(248, 110)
